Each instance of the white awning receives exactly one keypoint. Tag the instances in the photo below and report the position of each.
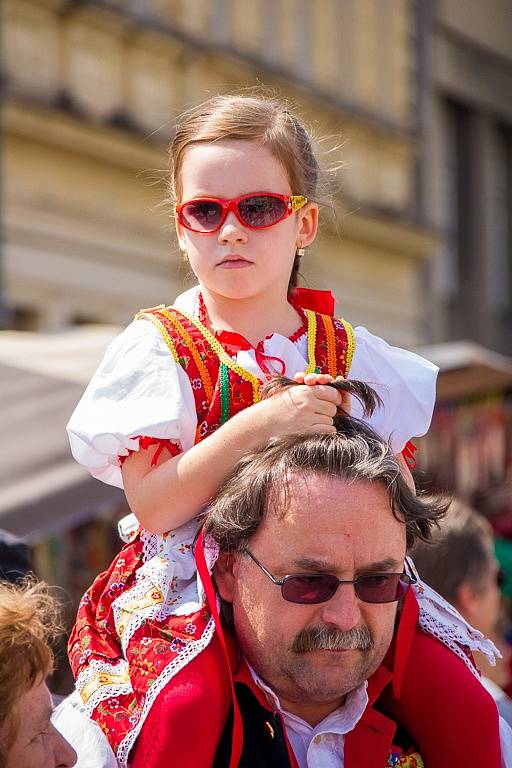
(468, 369)
(42, 376)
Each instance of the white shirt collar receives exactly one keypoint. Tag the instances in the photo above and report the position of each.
(341, 721)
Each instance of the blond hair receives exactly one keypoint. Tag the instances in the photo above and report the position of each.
(29, 620)
(250, 118)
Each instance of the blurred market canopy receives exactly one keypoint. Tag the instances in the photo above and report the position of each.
(42, 376)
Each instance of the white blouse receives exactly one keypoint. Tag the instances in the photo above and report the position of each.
(140, 390)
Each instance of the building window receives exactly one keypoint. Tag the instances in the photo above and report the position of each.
(459, 200)
(501, 231)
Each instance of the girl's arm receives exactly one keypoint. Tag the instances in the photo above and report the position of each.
(174, 491)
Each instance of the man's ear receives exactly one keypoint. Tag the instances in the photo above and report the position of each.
(224, 577)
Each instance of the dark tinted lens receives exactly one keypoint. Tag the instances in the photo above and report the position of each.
(202, 215)
(309, 589)
(382, 587)
(501, 578)
(262, 210)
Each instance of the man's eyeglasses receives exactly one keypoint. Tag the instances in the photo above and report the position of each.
(256, 211)
(309, 589)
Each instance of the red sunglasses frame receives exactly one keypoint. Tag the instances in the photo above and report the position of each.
(293, 203)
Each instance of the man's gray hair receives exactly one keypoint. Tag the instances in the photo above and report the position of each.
(260, 480)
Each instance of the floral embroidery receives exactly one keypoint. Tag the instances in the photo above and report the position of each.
(400, 759)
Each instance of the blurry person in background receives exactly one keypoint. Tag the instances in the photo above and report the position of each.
(15, 557)
(29, 619)
(460, 564)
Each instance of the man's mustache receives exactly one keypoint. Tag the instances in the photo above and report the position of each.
(330, 639)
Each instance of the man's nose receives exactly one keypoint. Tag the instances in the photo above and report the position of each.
(343, 610)
(232, 231)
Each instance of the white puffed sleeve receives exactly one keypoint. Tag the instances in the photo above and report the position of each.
(138, 390)
(405, 382)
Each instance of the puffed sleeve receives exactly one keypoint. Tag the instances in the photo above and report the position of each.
(405, 382)
(138, 391)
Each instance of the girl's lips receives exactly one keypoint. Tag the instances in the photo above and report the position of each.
(234, 262)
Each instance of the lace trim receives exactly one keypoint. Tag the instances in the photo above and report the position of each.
(440, 619)
(117, 687)
(189, 653)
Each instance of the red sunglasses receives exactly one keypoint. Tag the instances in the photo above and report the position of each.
(256, 211)
(313, 588)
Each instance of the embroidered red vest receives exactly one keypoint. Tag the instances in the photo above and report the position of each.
(221, 387)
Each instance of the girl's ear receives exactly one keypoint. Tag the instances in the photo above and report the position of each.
(308, 224)
(180, 234)
(224, 577)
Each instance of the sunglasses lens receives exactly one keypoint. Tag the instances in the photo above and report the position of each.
(262, 210)
(201, 215)
(309, 589)
(382, 587)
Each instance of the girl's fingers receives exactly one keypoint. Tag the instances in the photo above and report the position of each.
(312, 379)
(326, 409)
(328, 394)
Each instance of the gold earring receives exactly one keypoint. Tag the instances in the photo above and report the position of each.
(301, 250)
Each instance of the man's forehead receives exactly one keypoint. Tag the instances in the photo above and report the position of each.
(325, 516)
(304, 494)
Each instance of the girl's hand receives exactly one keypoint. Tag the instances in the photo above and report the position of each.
(311, 379)
(298, 410)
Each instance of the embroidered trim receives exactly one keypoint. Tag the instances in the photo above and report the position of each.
(100, 681)
(203, 371)
(351, 344)
(331, 346)
(223, 356)
(147, 315)
(190, 652)
(224, 393)
(312, 368)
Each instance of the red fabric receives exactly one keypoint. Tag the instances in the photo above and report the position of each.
(234, 342)
(408, 454)
(186, 720)
(206, 580)
(146, 442)
(308, 298)
(445, 709)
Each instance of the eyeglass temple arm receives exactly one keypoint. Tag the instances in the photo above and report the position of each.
(279, 582)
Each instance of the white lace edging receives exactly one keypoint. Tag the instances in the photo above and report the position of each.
(95, 668)
(189, 653)
(440, 619)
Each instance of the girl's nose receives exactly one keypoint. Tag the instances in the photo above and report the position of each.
(232, 231)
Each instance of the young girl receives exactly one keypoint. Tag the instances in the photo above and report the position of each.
(176, 400)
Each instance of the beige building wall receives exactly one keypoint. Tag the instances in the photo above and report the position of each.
(92, 94)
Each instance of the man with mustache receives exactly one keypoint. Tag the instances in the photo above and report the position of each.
(309, 537)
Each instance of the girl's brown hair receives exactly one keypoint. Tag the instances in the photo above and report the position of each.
(250, 118)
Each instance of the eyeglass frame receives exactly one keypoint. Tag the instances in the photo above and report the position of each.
(408, 566)
(293, 203)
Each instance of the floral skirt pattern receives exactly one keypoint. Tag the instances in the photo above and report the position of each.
(138, 625)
